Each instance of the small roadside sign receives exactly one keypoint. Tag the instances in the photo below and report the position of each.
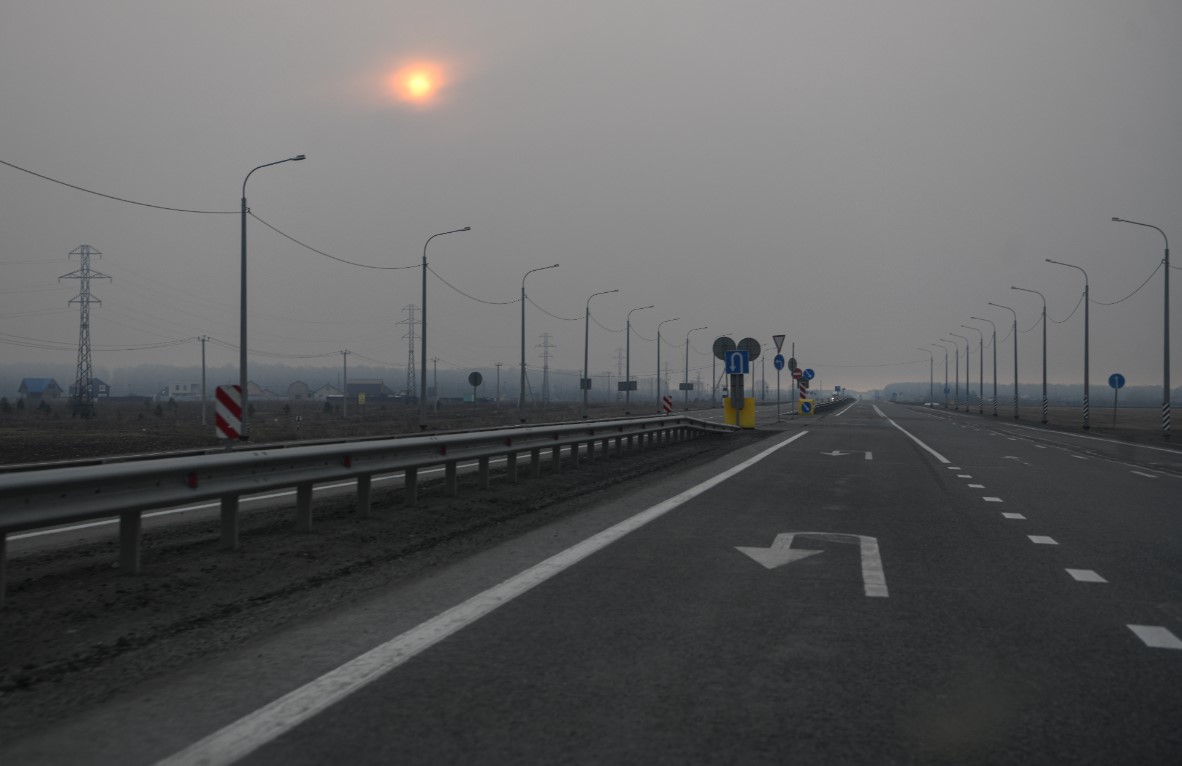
(779, 341)
(809, 374)
(792, 363)
(778, 362)
(1116, 380)
(797, 374)
(806, 406)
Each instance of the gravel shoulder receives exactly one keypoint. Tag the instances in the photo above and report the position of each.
(75, 632)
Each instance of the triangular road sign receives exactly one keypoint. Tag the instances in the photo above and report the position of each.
(779, 340)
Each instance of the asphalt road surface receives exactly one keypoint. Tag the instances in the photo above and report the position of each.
(885, 585)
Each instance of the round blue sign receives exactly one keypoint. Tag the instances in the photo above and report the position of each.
(779, 361)
(806, 407)
(809, 374)
(1116, 380)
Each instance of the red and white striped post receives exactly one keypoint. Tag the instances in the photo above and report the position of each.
(228, 412)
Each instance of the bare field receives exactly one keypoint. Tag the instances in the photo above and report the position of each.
(1135, 424)
(135, 427)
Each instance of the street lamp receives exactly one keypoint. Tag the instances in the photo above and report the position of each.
(931, 375)
(955, 369)
(944, 348)
(1165, 396)
(685, 384)
(1015, 332)
(968, 378)
(521, 390)
(1044, 347)
(423, 324)
(980, 369)
(628, 356)
(244, 434)
(994, 343)
(1086, 301)
(585, 383)
(659, 378)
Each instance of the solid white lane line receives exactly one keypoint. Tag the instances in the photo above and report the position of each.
(847, 409)
(992, 499)
(1146, 475)
(1016, 516)
(251, 732)
(937, 455)
(976, 486)
(953, 468)
(1079, 457)
(1040, 446)
(1156, 637)
(206, 506)
(1042, 540)
(1086, 575)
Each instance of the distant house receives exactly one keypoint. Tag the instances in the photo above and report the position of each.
(35, 389)
(181, 391)
(299, 390)
(98, 389)
(373, 388)
(325, 392)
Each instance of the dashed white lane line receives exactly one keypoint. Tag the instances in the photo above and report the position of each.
(1079, 457)
(992, 499)
(246, 735)
(976, 486)
(1040, 446)
(1156, 637)
(1042, 540)
(1146, 475)
(963, 476)
(847, 409)
(953, 468)
(1014, 516)
(1085, 575)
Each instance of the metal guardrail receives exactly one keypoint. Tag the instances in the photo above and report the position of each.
(47, 498)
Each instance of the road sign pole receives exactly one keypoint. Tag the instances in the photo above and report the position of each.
(1115, 392)
(777, 396)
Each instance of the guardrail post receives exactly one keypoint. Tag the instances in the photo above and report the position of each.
(364, 494)
(3, 566)
(556, 457)
(230, 522)
(511, 467)
(303, 517)
(451, 483)
(410, 483)
(590, 450)
(129, 542)
(535, 462)
(607, 445)
(483, 462)
(619, 444)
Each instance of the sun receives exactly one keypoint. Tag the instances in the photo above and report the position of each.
(417, 83)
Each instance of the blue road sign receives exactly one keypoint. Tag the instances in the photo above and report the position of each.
(779, 361)
(737, 362)
(1116, 380)
(808, 373)
(806, 408)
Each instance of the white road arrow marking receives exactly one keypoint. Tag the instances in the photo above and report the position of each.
(839, 453)
(781, 553)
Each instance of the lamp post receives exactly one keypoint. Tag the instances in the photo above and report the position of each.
(1165, 396)
(944, 348)
(423, 325)
(585, 383)
(521, 388)
(931, 374)
(980, 369)
(244, 434)
(1044, 347)
(1087, 366)
(659, 378)
(968, 377)
(685, 384)
(628, 356)
(994, 343)
(956, 370)
(1015, 331)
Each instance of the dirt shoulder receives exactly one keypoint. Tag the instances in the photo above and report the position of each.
(75, 632)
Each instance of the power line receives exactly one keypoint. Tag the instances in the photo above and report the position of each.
(287, 236)
(547, 313)
(119, 199)
(1077, 305)
(473, 297)
(1130, 295)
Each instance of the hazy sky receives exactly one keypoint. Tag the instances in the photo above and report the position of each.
(861, 176)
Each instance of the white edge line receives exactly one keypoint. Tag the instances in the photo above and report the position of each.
(256, 729)
(847, 409)
(1095, 438)
(935, 454)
